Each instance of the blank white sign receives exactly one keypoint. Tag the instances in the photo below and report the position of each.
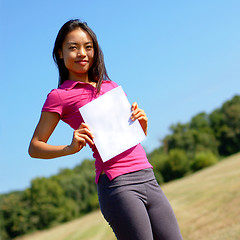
(108, 118)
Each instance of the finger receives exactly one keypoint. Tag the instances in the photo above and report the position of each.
(142, 118)
(82, 141)
(78, 142)
(138, 110)
(138, 113)
(135, 110)
(86, 135)
(85, 130)
(83, 125)
(134, 106)
(88, 140)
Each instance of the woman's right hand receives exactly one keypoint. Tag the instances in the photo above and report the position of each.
(81, 137)
(39, 148)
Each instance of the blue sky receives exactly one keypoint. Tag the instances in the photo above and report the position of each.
(175, 58)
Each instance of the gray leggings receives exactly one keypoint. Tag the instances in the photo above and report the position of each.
(136, 208)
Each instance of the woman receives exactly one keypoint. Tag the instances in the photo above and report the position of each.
(130, 199)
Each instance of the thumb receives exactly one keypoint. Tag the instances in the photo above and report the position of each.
(134, 106)
(83, 125)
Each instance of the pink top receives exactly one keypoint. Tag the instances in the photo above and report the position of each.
(66, 101)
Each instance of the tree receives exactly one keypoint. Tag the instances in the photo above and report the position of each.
(15, 214)
(176, 165)
(193, 137)
(79, 185)
(48, 203)
(157, 158)
(203, 160)
(225, 123)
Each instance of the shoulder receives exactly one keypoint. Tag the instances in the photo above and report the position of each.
(54, 95)
(109, 83)
(53, 102)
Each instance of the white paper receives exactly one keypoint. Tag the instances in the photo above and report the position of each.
(108, 118)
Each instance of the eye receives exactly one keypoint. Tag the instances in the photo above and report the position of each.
(89, 47)
(72, 47)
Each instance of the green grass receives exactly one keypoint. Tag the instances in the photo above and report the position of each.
(91, 226)
(207, 206)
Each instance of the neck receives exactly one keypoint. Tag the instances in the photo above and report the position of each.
(79, 77)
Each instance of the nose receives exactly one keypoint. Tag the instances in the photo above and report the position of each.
(81, 52)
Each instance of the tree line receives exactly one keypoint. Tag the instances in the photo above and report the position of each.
(189, 147)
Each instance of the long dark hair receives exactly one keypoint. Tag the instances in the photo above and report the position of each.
(97, 73)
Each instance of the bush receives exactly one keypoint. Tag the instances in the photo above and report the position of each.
(176, 166)
(202, 160)
(157, 160)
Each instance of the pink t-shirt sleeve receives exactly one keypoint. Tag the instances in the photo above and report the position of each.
(53, 103)
(114, 84)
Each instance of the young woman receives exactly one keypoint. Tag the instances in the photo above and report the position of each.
(130, 199)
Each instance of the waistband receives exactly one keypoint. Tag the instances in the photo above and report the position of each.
(141, 176)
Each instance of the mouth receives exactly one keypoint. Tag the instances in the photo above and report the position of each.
(81, 62)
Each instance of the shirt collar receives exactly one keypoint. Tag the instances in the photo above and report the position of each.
(70, 84)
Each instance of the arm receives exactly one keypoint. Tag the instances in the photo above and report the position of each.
(39, 148)
(139, 114)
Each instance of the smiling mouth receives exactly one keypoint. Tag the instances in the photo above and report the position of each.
(82, 62)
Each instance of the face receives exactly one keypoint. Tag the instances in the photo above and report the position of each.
(77, 53)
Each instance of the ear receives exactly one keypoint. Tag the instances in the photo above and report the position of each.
(60, 54)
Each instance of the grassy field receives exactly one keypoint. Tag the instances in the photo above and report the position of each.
(207, 205)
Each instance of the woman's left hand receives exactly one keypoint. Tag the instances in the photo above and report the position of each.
(139, 114)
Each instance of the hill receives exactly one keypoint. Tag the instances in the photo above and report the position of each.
(206, 204)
